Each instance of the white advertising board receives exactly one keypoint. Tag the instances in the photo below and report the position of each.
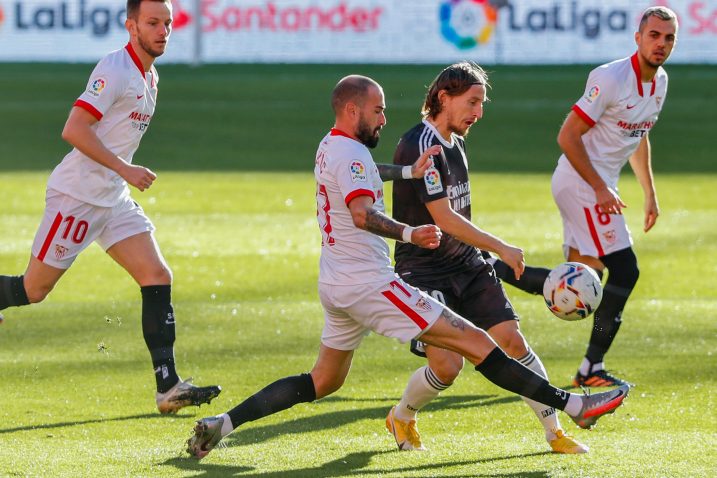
(359, 31)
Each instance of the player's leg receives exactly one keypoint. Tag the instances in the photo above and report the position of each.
(424, 386)
(623, 273)
(453, 332)
(340, 337)
(508, 336)
(531, 281)
(128, 239)
(31, 287)
(427, 382)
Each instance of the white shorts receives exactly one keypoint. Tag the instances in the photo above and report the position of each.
(69, 226)
(391, 308)
(585, 228)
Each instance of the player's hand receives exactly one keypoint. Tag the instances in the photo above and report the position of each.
(652, 210)
(427, 236)
(513, 256)
(609, 201)
(138, 176)
(419, 168)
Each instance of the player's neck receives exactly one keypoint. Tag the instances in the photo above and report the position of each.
(145, 58)
(440, 122)
(647, 71)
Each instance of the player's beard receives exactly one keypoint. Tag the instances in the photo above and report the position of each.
(367, 136)
(147, 46)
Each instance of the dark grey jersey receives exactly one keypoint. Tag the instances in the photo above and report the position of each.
(448, 178)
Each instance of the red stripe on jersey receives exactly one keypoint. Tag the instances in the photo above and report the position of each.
(584, 116)
(593, 232)
(638, 75)
(359, 192)
(50, 235)
(406, 309)
(338, 132)
(89, 108)
(135, 58)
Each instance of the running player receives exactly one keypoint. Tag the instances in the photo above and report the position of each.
(456, 273)
(88, 199)
(359, 290)
(607, 127)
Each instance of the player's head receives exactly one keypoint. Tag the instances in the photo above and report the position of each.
(656, 35)
(457, 95)
(359, 105)
(149, 23)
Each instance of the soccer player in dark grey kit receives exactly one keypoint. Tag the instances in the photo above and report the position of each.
(456, 273)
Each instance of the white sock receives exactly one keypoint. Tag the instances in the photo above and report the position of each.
(547, 416)
(587, 367)
(574, 405)
(423, 386)
(227, 426)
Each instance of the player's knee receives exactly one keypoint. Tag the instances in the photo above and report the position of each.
(326, 385)
(622, 268)
(514, 345)
(447, 369)
(37, 293)
(157, 276)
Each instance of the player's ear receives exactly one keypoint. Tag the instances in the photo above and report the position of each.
(131, 25)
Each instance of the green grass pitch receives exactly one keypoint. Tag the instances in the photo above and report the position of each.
(235, 213)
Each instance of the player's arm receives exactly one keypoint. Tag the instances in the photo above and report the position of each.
(641, 163)
(79, 133)
(570, 139)
(366, 217)
(390, 172)
(465, 231)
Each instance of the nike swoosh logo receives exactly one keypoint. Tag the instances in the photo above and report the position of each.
(139, 97)
(169, 322)
(631, 107)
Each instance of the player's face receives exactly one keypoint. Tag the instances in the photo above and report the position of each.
(371, 118)
(464, 110)
(153, 27)
(656, 40)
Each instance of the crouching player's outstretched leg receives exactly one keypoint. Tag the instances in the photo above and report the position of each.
(452, 332)
(326, 377)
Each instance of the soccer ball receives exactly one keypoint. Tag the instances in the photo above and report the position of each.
(572, 291)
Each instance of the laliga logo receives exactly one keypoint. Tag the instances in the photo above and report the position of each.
(467, 23)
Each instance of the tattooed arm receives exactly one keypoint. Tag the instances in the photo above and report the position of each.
(389, 172)
(369, 219)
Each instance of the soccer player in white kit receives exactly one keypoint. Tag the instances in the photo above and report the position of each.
(360, 291)
(606, 128)
(88, 197)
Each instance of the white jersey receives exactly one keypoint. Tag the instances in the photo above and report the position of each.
(621, 110)
(122, 96)
(345, 170)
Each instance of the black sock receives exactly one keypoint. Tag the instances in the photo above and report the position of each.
(12, 292)
(278, 396)
(515, 377)
(531, 281)
(158, 330)
(607, 321)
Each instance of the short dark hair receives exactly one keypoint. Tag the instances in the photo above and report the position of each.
(352, 88)
(456, 80)
(133, 7)
(663, 13)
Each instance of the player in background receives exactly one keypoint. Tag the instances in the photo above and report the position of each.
(88, 197)
(359, 290)
(607, 127)
(456, 272)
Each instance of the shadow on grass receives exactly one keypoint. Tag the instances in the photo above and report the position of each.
(49, 426)
(353, 464)
(332, 420)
